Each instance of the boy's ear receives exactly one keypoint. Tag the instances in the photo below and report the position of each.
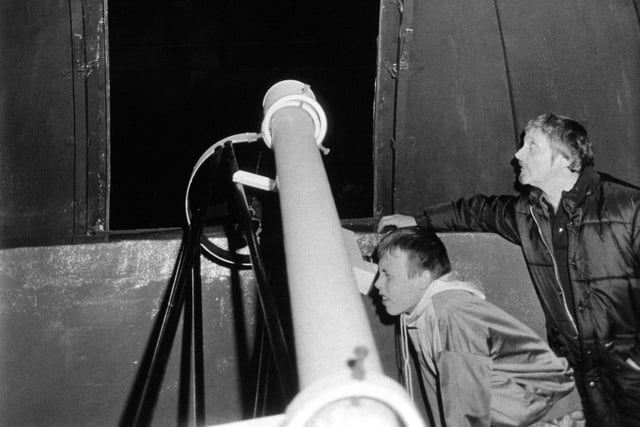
(425, 279)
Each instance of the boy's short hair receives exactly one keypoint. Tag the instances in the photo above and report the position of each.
(425, 250)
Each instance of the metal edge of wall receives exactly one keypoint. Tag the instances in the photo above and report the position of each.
(392, 85)
(91, 100)
(384, 106)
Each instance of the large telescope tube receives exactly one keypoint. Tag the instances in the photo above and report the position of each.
(339, 368)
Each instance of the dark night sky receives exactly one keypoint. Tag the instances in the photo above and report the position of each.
(186, 73)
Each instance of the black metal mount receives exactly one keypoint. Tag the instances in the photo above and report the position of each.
(183, 297)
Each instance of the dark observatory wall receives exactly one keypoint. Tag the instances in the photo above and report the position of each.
(185, 74)
(53, 120)
(35, 75)
(472, 74)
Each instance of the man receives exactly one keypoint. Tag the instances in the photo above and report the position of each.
(480, 366)
(580, 236)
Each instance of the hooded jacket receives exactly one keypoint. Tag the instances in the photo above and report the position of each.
(481, 366)
(603, 257)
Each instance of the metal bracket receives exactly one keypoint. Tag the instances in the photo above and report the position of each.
(405, 38)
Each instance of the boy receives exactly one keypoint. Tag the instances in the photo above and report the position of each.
(480, 366)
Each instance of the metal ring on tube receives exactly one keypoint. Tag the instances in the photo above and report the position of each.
(227, 258)
(304, 99)
(313, 406)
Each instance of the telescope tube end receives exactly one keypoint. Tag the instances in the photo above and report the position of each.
(292, 93)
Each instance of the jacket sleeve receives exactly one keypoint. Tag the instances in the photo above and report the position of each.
(493, 214)
(635, 247)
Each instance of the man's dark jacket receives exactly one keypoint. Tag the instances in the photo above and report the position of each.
(603, 257)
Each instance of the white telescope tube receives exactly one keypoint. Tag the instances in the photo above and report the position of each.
(331, 328)
(328, 315)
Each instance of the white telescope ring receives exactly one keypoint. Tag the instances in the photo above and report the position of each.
(233, 139)
(306, 103)
(377, 387)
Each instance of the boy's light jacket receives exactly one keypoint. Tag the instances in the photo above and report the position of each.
(481, 366)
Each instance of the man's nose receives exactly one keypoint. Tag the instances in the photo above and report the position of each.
(520, 154)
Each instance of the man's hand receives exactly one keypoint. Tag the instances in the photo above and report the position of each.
(398, 221)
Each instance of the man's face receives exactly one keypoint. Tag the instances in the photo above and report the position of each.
(400, 294)
(538, 164)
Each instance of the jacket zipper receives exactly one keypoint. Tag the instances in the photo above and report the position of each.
(555, 271)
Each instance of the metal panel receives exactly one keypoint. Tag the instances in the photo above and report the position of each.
(459, 135)
(36, 120)
(53, 115)
(76, 319)
(581, 59)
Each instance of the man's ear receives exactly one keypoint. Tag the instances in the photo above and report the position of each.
(561, 161)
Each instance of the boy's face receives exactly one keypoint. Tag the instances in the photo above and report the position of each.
(400, 294)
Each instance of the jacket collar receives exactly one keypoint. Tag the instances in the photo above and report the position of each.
(448, 282)
(573, 198)
(584, 187)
